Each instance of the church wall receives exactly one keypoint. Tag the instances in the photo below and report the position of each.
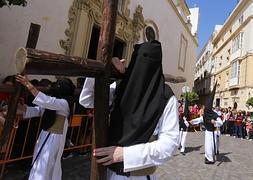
(15, 23)
(56, 18)
(171, 30)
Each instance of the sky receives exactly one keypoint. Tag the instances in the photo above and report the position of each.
(211, 12)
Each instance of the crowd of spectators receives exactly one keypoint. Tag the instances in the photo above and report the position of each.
(236, 123)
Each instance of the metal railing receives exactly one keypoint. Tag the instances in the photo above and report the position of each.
(24, 133)
(21, 142)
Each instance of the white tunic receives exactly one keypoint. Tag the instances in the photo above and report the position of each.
(197, 120)
(48, 164)
(148, 154)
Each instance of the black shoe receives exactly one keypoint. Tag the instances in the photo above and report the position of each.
(208, 162)
(183, 153)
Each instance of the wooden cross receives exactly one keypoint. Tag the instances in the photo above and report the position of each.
(11, 114)
(46, 63)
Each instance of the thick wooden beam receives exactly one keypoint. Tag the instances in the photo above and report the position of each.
(35, 61)
(101, 113)
(39, 62)
(13, 101)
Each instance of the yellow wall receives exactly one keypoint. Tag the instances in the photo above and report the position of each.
(249, 78)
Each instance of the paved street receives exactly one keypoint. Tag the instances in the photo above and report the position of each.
(234, 163)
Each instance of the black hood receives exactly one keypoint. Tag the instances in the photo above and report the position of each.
(209, 113)
(62, 88)
(140, 97)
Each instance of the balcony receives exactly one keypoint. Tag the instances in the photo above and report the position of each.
(236, 54)
(233, 82)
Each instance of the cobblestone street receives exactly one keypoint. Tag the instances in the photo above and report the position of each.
(235, 162)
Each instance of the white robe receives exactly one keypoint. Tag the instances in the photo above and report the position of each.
(148, 154)
(210, 139)
(48, 164)
(182, 139)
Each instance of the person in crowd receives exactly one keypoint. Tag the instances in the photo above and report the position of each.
(249, 127)
(4, 97)
(244, 119)
(231, 122)
(195, 109)
(238, 125)
(55, 111)
(224, 128)
(144, 109)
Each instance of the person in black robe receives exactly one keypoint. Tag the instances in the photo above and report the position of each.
(211, 121)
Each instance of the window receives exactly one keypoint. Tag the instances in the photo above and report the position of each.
(235, 70)
(227, 79)
(240, 19)
(237, 42)
(182, 52)
(229, 51)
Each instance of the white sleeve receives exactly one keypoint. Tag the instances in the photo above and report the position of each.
(197, 120)
(157, 152)
(186, 123)
(52, 103)
(86, 98)
(218, 122)
(32, 112)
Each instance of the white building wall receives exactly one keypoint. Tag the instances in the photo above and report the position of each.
(194, 19)
(170, 31)
(15, 23)
(53, 19)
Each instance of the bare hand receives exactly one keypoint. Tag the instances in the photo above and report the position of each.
(110, 155)
(23, 80)
(213, 121)
(119, 64)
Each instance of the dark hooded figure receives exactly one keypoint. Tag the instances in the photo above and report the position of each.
(183, 125)
(55, 111)
(142, 106)
(212, 122)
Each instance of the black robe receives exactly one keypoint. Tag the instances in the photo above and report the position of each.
(140, 99)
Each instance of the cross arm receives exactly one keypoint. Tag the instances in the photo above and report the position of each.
(35, 61)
